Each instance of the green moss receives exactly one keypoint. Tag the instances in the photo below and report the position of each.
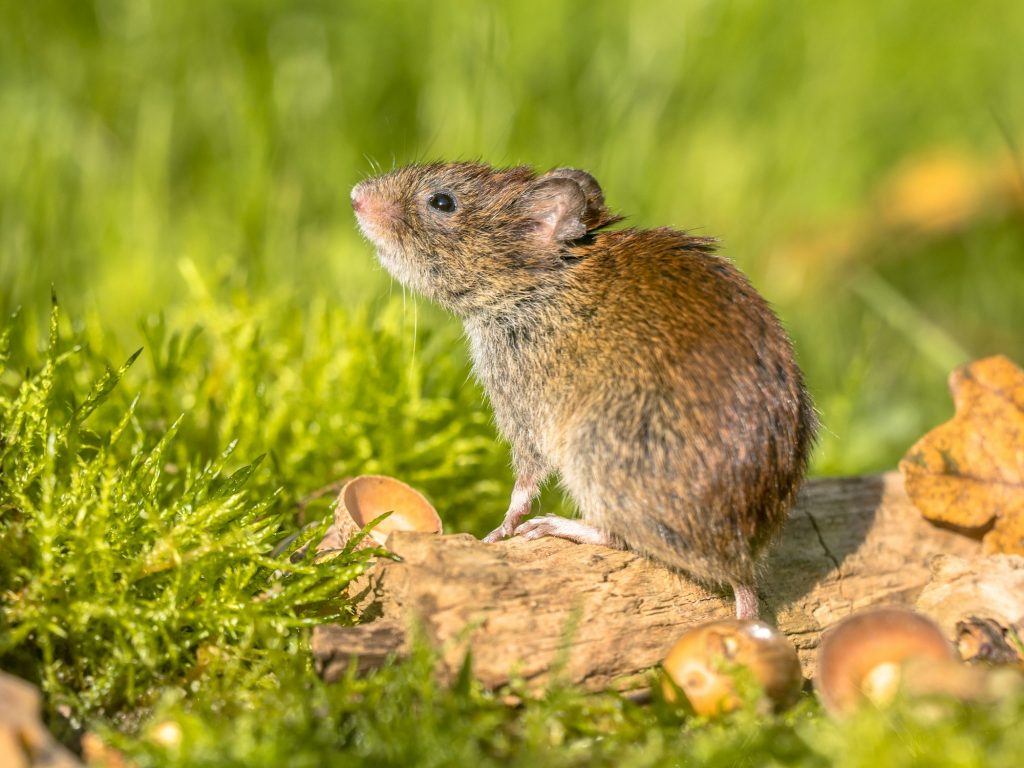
(133, 537)
(122, 562)
(400, 716)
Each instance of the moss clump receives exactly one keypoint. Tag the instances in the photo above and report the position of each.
(121, 567)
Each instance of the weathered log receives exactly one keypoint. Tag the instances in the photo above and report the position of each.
(599, 618)
(980, 603)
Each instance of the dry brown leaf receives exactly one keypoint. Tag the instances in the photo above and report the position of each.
(970, 471)
(938, 191)
(928, 194)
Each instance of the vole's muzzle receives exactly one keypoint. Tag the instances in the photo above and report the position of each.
(377, 215)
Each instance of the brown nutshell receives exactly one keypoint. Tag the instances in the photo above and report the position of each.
(703, 663)
(866, 657)
(367, 497)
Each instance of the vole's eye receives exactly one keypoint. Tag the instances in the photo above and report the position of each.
(442, 201)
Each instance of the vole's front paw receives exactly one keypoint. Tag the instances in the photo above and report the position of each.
(503, 531)
(562, 528)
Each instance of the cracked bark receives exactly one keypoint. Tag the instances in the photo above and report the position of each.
(821, 541)
(599, 618)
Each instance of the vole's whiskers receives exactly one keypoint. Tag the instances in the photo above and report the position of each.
(415, 327)
(374, 166)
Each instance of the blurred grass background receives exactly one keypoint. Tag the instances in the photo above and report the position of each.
(858, 160)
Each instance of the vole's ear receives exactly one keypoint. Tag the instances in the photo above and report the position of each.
(558, 206)
(567, 203)
(596, 213)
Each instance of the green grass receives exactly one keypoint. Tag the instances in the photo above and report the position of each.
(179, 173)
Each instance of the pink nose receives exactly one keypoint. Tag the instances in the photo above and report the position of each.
(357, 200)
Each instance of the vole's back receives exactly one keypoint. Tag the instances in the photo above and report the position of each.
(663, 389)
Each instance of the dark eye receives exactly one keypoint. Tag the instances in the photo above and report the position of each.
(442, 201)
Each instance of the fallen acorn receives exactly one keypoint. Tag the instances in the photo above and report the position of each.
(871, 656)
(703, 662)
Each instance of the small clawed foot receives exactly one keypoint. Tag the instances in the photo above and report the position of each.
(503, 531)
(518, 508)
(562, 528)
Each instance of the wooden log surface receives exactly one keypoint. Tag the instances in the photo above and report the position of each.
(599, 618)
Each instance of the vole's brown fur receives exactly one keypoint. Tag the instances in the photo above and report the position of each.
(640, 366)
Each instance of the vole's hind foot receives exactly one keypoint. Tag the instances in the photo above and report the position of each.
(562, 528)
(747, 606)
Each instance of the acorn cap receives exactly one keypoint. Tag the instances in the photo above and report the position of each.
(703, 661)
(367, 497)
(864, 657)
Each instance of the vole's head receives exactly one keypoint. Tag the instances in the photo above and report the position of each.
(470, 236)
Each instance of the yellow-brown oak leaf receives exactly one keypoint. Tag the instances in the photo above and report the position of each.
(969, 472)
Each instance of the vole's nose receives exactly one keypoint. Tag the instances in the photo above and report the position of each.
(358, 198)
(371, 206)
